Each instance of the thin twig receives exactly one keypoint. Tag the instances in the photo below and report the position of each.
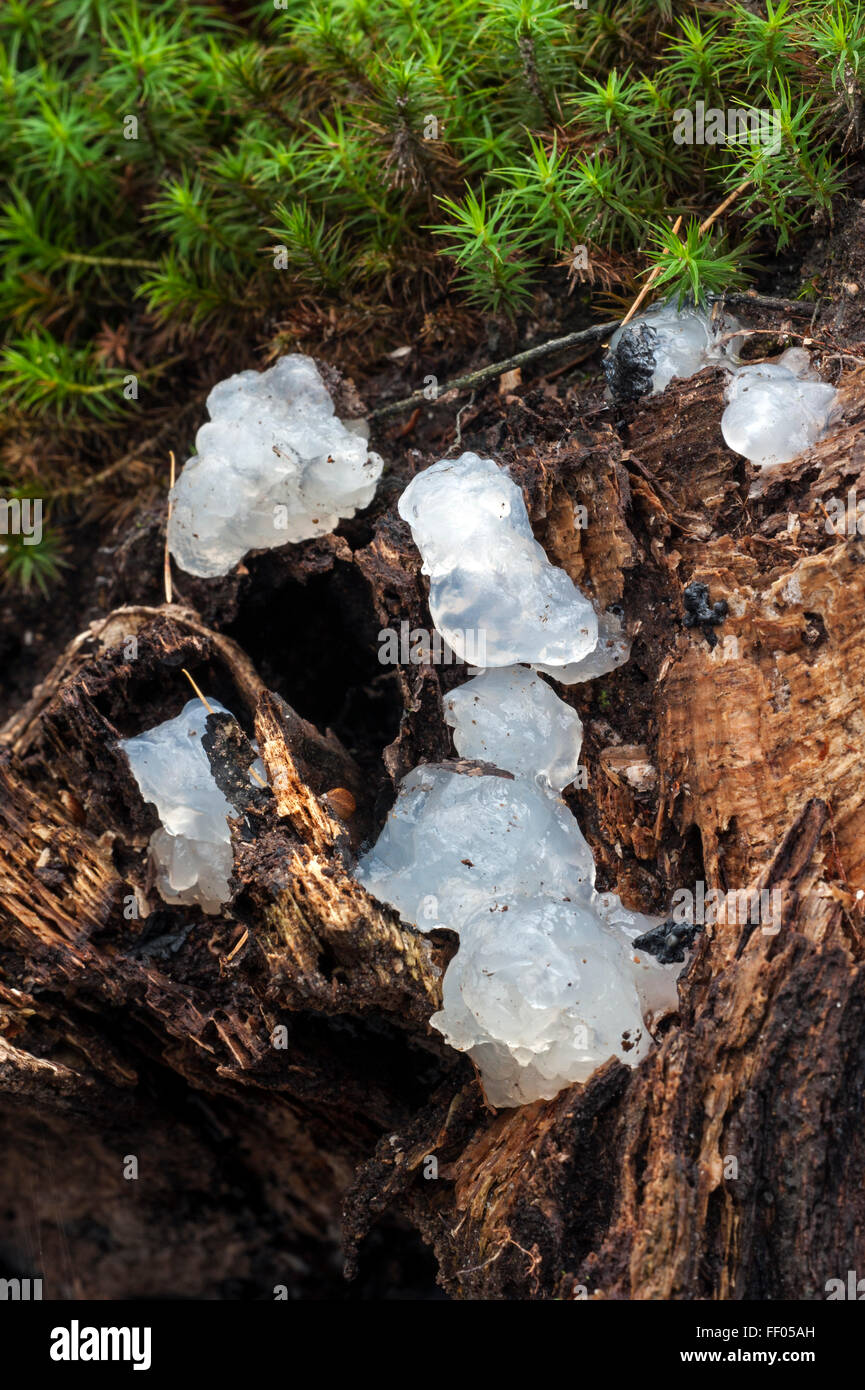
(87, 484)
(722, 207)
(649, 283)
(458, 437)
(234, 950)
(799, 308)
(167, 556)
(207, 706)
(592, 334)
(791, 333)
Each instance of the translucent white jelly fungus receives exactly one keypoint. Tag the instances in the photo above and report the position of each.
(546, 984)
(454, 842)
(511, 718)
(191, 849)
(539, 997)
(613, 650)
(274, 464)
(656, 983)
(678, 343)
(488, 574)
(776, 410)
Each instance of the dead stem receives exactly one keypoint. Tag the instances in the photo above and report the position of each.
(167, 555)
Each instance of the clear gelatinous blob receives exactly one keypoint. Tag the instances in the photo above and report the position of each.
(488, 575)
(546, 984)
(776, 410)
(273, 464)
(454, 842)
(655, 983)
(508, 716)
(676, 343)
(613, 649)
(539, 998)
(191, 849)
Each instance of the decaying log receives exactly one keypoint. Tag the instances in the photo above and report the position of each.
(272, 1068)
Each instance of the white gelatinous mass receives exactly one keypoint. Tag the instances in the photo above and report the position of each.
(453, 842)
(683, 341)
(488, 575)
(546, 984)
(273, 464)
(655, 983)
(192, 847)
(539, 997)
(613, 650)
(511, 718)
(776, 410)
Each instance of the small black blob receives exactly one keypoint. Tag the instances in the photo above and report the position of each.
(700, 613)
(630, 365)
(668, 942)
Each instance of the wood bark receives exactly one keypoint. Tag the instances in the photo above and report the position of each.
(272, 1069)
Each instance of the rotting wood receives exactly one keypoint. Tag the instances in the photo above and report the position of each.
(621, 1188)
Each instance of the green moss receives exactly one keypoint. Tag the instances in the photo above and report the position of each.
(200, 168)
